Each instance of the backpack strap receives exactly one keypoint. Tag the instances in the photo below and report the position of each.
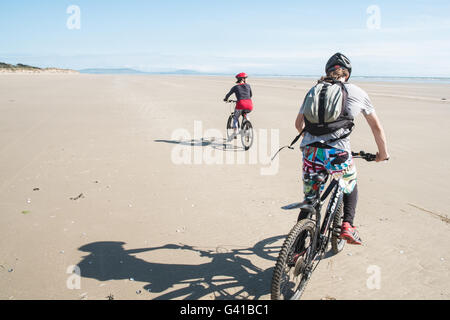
(349, 127)
(322, 96)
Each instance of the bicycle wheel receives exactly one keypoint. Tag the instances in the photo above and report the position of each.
(292, 272)
(337, 244)
(230, 127)
(247, 135)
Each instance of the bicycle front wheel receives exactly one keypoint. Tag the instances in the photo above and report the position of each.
(230, 129)
(293, 268)
(247, 135)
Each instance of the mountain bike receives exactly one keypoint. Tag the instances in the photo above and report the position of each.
(307, 242)
(244, 126)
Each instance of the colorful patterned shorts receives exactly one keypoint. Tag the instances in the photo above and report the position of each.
(335, 161)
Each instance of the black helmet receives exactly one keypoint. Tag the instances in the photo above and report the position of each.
(338, 60)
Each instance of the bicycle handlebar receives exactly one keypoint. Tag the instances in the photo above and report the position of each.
(366, 156)
(231, 101)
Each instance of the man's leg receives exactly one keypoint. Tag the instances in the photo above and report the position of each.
(310, 165)
(348, 231)
(350, 193)
(350, 201)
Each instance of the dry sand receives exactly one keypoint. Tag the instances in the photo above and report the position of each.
(111, 200)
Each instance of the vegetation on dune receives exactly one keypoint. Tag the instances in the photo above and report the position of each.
(6, 67)
(17, 66)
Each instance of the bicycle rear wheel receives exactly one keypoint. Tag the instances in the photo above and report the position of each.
(292, 270)
(338, 244)
(247, 135)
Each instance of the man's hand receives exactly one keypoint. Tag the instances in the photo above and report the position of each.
(382, 157)
(226, 100)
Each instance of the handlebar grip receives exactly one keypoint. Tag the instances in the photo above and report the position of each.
(364, 155)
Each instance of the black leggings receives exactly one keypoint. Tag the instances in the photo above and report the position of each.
(350, 201)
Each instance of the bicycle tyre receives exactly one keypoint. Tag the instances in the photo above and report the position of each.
(230, 126)
(338, 244)
(247, 135)
(284, 264)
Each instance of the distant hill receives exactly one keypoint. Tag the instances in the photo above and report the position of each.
(134, 71)
(23, 68)
(182, 71)
(111, 71)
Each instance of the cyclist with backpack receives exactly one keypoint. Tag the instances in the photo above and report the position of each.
(244, 94)
(326, 119)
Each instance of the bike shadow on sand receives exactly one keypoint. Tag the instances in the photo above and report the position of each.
(230, 273)
(215, 143)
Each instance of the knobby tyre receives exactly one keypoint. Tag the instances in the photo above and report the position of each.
(247, 135)
(337, 244)
(230, 126)
(291, 273)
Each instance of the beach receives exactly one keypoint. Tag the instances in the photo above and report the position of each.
(120, 187)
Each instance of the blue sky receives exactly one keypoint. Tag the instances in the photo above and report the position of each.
(256, 36)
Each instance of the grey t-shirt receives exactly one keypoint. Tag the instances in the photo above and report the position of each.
(357, 101)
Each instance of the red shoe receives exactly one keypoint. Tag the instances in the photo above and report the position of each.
(350, 234)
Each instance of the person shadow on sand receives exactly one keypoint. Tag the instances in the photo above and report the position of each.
(226, 276)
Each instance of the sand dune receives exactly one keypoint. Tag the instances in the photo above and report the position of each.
(88, 179)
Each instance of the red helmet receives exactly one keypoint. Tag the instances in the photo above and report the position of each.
(241, 75)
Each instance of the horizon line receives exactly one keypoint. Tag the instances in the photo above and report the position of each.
(195, 72)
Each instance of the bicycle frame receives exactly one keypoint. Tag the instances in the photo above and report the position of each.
(243, 114)
(321, 238)
(240, 122)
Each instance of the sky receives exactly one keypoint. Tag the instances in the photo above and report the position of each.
(286, 37)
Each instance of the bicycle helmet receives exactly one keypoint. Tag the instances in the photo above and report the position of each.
(338, 61)
(241, 75)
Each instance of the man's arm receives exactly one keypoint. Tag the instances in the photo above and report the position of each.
(379, 135)
(300, 122)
